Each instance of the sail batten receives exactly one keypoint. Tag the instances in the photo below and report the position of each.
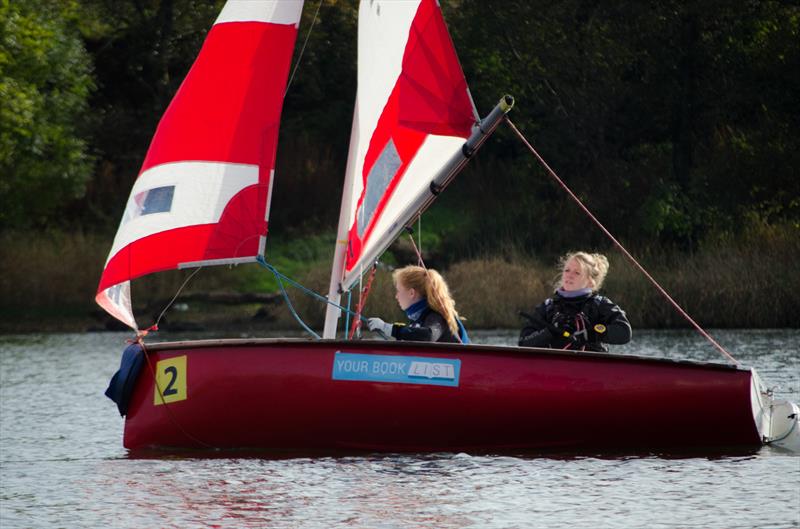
(202, 195)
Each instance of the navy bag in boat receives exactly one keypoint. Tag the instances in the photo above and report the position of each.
(121, 385)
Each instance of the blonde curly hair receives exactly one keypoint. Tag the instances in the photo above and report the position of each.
(594, 264)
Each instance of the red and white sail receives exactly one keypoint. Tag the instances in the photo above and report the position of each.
(413, 112)
(202, 195)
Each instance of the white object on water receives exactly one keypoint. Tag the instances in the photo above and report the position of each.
(784, 425)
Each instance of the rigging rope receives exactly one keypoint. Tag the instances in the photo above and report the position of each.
(419, 237)
(302, 50)
(362, 301)
(297, 317)
(619, 245)
(154, 327)
(410, 232)
(279, 277)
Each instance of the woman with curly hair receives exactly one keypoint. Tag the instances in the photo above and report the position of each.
(577, 317)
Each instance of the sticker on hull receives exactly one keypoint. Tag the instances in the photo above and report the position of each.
(398, 369)
(170, 380)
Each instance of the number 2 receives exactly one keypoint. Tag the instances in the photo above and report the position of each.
(173, 372)
(170, 383)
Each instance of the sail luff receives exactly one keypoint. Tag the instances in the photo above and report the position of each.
(332, 312)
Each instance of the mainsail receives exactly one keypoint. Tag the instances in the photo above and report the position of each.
(202, 195)
(412, 116)
(413, 112)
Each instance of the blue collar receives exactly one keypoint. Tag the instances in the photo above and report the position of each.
(574, 293)
(415, 311)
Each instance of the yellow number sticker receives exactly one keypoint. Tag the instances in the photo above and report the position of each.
(170, 380)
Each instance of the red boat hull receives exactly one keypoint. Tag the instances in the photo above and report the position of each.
(285, 395)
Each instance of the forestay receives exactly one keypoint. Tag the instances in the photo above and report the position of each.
(202, 195)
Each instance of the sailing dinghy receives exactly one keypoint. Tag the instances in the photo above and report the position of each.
(203, 197)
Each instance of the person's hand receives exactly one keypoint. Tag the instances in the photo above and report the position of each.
(377, 324)
(562, 325)
(583, 332)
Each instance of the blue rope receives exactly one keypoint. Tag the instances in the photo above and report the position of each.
(279, 277)
(347, 314)
(297, 317)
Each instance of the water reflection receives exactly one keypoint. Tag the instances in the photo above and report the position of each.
(450, 491)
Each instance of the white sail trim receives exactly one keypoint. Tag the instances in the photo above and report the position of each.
(383, 30)
(270, 11)
(201, 190)
(434, 154)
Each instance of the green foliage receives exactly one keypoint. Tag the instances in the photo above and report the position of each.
(316, 120)
(291, 256)
(142, 50)
(45, 83)
(676, 116)
(672, 121)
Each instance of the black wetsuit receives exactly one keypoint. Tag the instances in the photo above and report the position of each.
(592, 308)
(430, 326)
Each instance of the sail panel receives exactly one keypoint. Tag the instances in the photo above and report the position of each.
(413, 110)
(228, 107)
(203, 191)
(271, 11)
(200, 193)
(432, 155)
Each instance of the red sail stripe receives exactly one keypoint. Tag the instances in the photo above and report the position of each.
(147, 255)
(233, 92)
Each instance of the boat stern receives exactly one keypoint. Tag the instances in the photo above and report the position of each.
(777, 420)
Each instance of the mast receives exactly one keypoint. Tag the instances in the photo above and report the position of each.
(443, 177)
(332, 312)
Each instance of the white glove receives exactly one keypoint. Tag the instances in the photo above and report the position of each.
(377, 324)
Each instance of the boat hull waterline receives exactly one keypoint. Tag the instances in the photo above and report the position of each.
(419, 397)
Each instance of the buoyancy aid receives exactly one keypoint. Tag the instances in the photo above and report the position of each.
(589, 312)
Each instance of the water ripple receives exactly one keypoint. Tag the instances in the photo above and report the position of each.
(62, 464)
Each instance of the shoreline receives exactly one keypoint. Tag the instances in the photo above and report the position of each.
(48, 282)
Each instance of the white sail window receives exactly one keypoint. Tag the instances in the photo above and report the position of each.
(155, 200)
(378, 180)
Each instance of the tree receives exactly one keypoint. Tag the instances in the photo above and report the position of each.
(671, 120)
(45, 81)
(141, 50)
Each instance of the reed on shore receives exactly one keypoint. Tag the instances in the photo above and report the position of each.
(48, 282)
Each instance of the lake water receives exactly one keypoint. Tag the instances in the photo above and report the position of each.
(62, 463)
